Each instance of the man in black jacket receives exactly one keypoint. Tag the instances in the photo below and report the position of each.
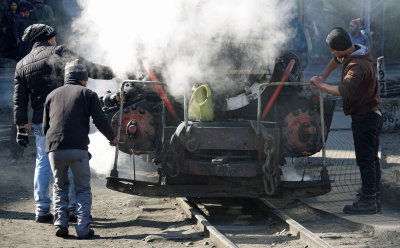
(66, 125)
(36, 75)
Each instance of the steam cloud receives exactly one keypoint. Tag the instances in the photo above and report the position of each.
(102, 154)
(183, 38)
(290, 174)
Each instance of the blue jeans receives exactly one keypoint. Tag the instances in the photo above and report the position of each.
(43, 175)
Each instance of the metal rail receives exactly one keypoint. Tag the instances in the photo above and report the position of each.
(221, 240)
(296, 229)
(217, 237)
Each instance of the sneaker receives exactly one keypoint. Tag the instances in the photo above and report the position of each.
(364, 204)
(61, 231)
(44, 218)
(90, 234)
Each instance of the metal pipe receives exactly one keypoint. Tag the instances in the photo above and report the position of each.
(321, 107)
(185, 109)
(383, 30)
(143, 82)
(114, 171)
(134, 166)
(268, 84)
(163, 123)
(278, 89)
(160, 89)
(259, 104)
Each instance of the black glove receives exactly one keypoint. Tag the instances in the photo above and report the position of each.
(108, 73)
(22, 136)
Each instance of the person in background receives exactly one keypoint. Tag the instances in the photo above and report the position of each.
(36, 75)
(360, 92)
(24, 47)
(8, 20)
(60, 15)
(42, 13)
(356, 34)
(25, 4)
(298, 43)
(66, 117)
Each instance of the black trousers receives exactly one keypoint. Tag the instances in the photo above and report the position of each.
(366, 129)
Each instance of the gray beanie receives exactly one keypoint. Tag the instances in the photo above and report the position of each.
(38, 32)
(75, 70)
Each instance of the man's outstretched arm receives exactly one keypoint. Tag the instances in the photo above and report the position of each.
(319, 82)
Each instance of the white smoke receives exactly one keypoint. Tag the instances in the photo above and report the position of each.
(290, 174)
(102, 154)
(182, 37)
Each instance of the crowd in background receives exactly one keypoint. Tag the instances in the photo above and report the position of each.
(18, 15)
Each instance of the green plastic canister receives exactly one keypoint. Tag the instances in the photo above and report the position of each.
(200, 104)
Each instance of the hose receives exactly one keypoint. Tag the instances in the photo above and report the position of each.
(278, 89)
(159, 88)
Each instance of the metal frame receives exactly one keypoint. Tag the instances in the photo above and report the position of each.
(114, 171)
(321, 107)
(116, 183)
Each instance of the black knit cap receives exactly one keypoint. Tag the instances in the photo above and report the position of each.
(38, 32)
(75, 70)
(338, 39)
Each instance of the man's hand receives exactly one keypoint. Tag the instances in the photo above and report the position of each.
(317, 81)
(28, 127)
(114, 142)
(22, 136)
(320, 83)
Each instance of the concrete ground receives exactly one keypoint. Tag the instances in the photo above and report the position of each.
(343, 169)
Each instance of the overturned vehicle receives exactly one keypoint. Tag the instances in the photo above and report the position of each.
(232, 144)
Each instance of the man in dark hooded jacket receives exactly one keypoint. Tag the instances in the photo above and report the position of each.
(66, 118)
(36, 75)
(360, 92)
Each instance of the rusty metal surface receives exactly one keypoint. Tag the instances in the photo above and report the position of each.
(138, 137)
(223, 149)
(243, 168)
(133, 187)
(301, 133)
(306, 189)
(223, 138)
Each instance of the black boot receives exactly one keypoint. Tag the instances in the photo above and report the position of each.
(378, 199)
(365, 204)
